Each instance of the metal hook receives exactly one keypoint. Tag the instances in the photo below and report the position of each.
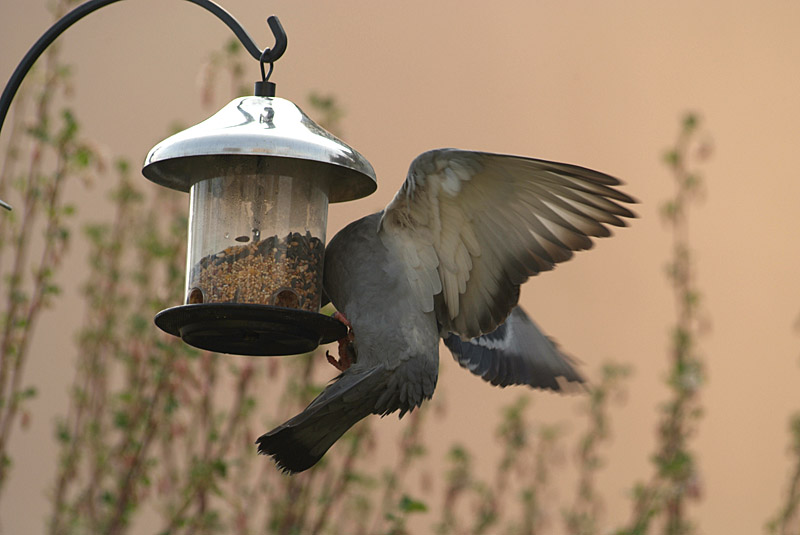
(271, 55)
(265, 88)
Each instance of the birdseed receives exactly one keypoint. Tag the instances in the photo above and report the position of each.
(283, 272)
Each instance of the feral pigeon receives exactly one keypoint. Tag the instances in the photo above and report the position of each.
(445, 259)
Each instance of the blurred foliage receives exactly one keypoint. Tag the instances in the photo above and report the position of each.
(44, 152)
(787, 520)
(677, 479)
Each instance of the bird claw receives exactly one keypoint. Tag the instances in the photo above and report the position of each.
(346, 353)
(341, 364)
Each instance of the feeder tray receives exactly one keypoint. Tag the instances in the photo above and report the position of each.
(244, 329)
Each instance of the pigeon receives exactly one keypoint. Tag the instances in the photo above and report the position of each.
(445, 260)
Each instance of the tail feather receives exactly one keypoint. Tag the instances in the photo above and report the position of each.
(300, 442)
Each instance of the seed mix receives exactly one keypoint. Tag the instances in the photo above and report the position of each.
(283, 272)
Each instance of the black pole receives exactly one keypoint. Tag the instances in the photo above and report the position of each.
(267, 55)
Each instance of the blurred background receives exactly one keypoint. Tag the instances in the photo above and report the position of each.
(602, 85)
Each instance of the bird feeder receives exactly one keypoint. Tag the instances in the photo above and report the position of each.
(260, 174)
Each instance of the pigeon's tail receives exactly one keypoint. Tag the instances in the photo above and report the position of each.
(515, 353)
(300, 442)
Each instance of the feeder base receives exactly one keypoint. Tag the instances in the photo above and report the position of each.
(248, 329)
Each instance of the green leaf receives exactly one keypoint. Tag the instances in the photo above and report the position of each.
(28, 393)
(458, 453)
(220, 467)
(171, 404)
(232, 46)
(62, 433)
(70, 128)
(40, 132)
(82, 157)
(122, 165)
(669, 210)
(410, 505)
(121, 420)
(690, 121)
(51, 289)
(672, 158)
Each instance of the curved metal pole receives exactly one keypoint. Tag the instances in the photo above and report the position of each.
(267, 55)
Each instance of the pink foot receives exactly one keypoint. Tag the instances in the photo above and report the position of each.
(341, 317)
(346, 353)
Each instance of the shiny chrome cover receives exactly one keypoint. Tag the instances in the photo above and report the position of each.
(262, 135)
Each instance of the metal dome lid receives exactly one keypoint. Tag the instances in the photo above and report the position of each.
(267, 135)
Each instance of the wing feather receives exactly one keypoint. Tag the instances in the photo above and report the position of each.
(517, 352)
(472, 226)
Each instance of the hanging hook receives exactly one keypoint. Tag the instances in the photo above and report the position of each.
(271, 55)
(265, 88)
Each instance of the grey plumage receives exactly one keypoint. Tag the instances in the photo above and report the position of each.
(445, 259)
(516, 353)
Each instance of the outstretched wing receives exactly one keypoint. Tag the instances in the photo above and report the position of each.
(516, 353)
(473, 226)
